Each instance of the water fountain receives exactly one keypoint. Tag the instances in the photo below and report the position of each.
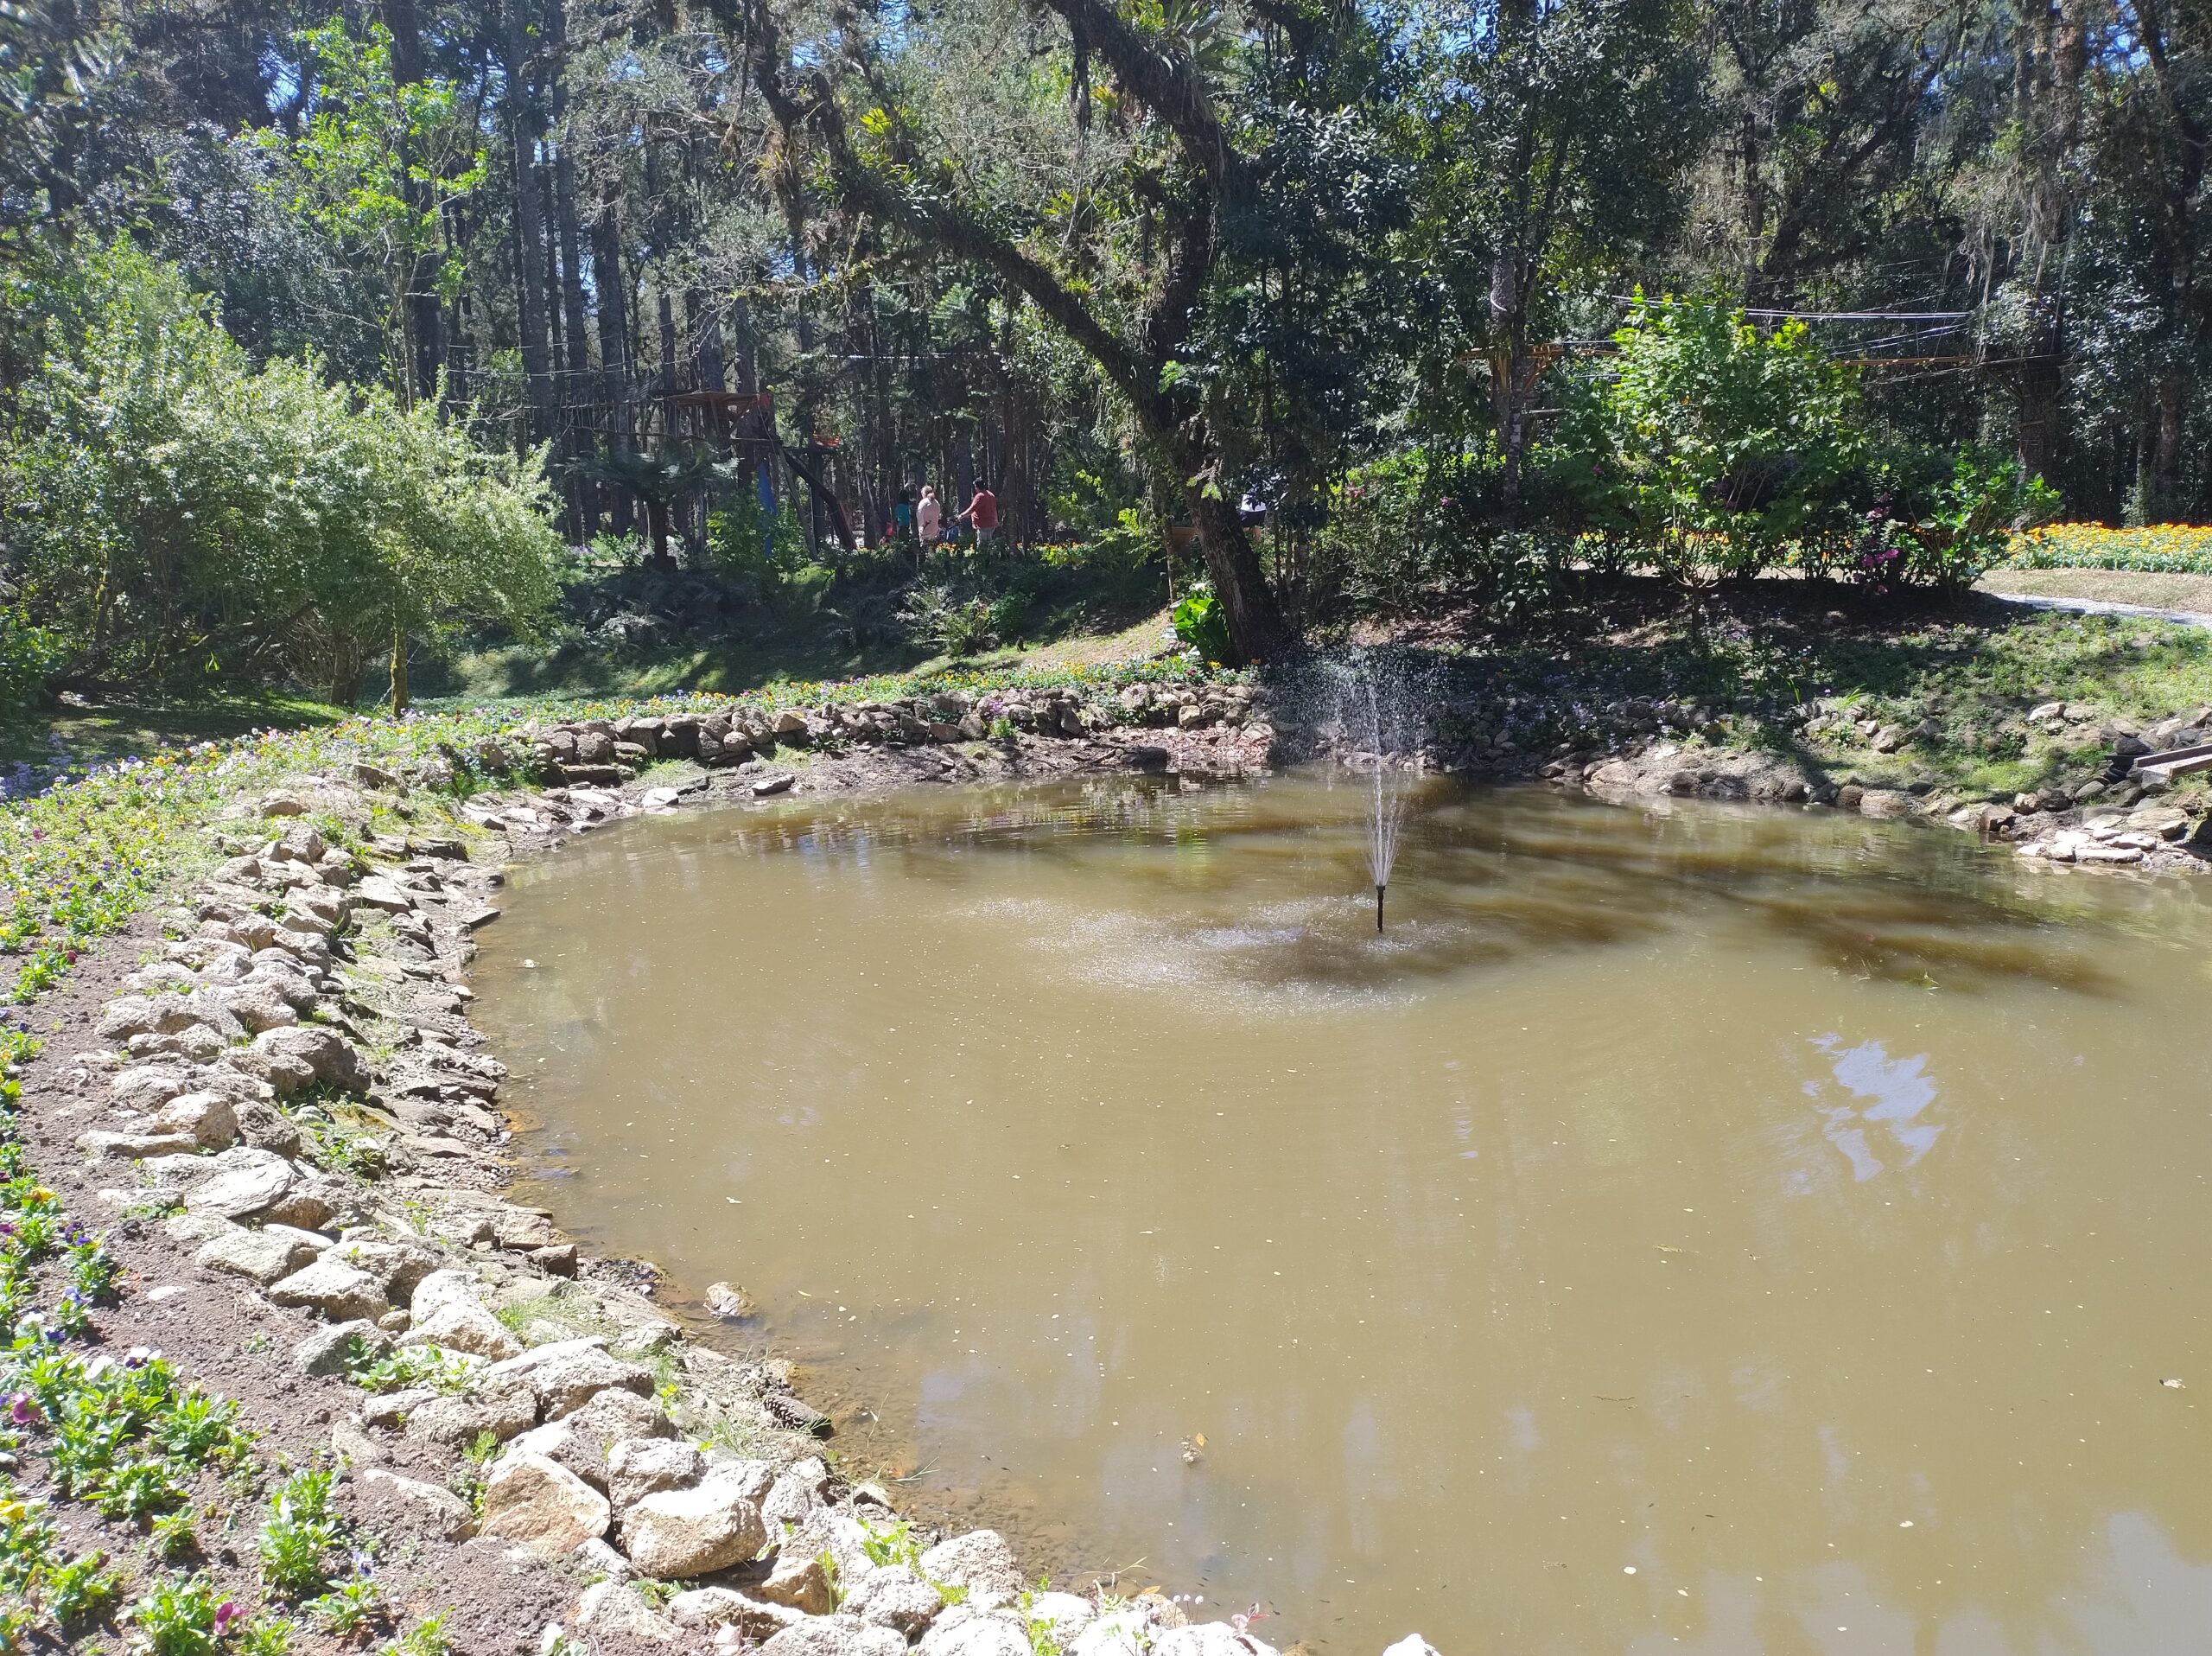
(1375, 725)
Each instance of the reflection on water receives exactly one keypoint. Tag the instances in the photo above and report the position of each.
(1692, 1229)
(1899, 1090)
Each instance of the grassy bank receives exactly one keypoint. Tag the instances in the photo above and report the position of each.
(1959, 679)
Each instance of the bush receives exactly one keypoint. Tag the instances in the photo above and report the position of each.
(1201, 623)
(1713, 445)
(175, 511)
(935, 613)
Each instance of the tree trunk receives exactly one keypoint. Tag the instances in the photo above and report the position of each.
(2054, 57)
(530, 228)
(575, 397)
(613, 341)
(401, 700)
(1255, 623)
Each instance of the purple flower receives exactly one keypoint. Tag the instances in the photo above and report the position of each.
(226, 1614)
(23, 1410)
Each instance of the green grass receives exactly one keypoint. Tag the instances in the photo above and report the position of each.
(92, 731)
(1975, 667)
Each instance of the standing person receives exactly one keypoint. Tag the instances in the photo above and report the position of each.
(929, 514)
(982, 516)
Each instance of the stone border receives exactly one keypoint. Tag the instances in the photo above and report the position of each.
(295, 1084)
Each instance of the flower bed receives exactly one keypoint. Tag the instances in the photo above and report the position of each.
(2158, 549)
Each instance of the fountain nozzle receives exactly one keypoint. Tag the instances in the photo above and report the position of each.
(1378, 909)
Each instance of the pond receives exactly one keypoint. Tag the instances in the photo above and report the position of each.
(1726, 1231)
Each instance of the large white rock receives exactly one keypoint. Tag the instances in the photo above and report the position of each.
(241, 1182)
(1125, 1632)
(544, 1506)
(638, 1466)
(682, 1532)
(965, 1631)
(263, 1256)
(444, 1513)
(1062, 1614)
(1412, 1645)
(709, 1608)
(836, 1635)
(333, 1288)
(979, 1561)
(463, 1325)
(566, 1373)
(894, 1596)
(1208, 1639)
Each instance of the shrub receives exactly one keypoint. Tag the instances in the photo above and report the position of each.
(1201, 623)
(175, 510)
(1711, 443)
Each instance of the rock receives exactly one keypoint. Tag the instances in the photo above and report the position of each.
(1884, 804)
(265, 1127)
(397, 1267)
(1208, 1639)
(765, 785)
(324, 1052)
(380, 892)
(2044, 712)
(1412, 1645)
(616, 1612)
(962, 1630)
(502, 1408)
(283, 805)
(799, 1491)
(258, 1006)
(979, 1561)
(262, 1256)
(681, 1533)
(1125, 1632)
(894, 1596)
(638, 1466)
(559, 1440)
(799, 1581)
(708, 1608)
(244, 1182)
(146, 1087)
(464, 1328)
(1062, 1614)
(568, 1373)
(727, 1300)
(2163, 820)
(613, 1415)
(446, 1513)
(211, 1119)
(134, 1146)
(324, 1351)
(2114, 855)
(840, 1635)
(544, 1506)
(333, 1289)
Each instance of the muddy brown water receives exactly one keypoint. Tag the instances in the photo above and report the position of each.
(1723, 1231)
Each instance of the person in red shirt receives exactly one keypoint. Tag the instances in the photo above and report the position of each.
(982, 515)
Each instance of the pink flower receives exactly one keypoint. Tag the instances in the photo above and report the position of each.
(22, 1409)
(226, 1614)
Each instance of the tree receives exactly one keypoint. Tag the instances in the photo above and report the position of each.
(1553, 138)
(383, 161)
(1185, 174)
